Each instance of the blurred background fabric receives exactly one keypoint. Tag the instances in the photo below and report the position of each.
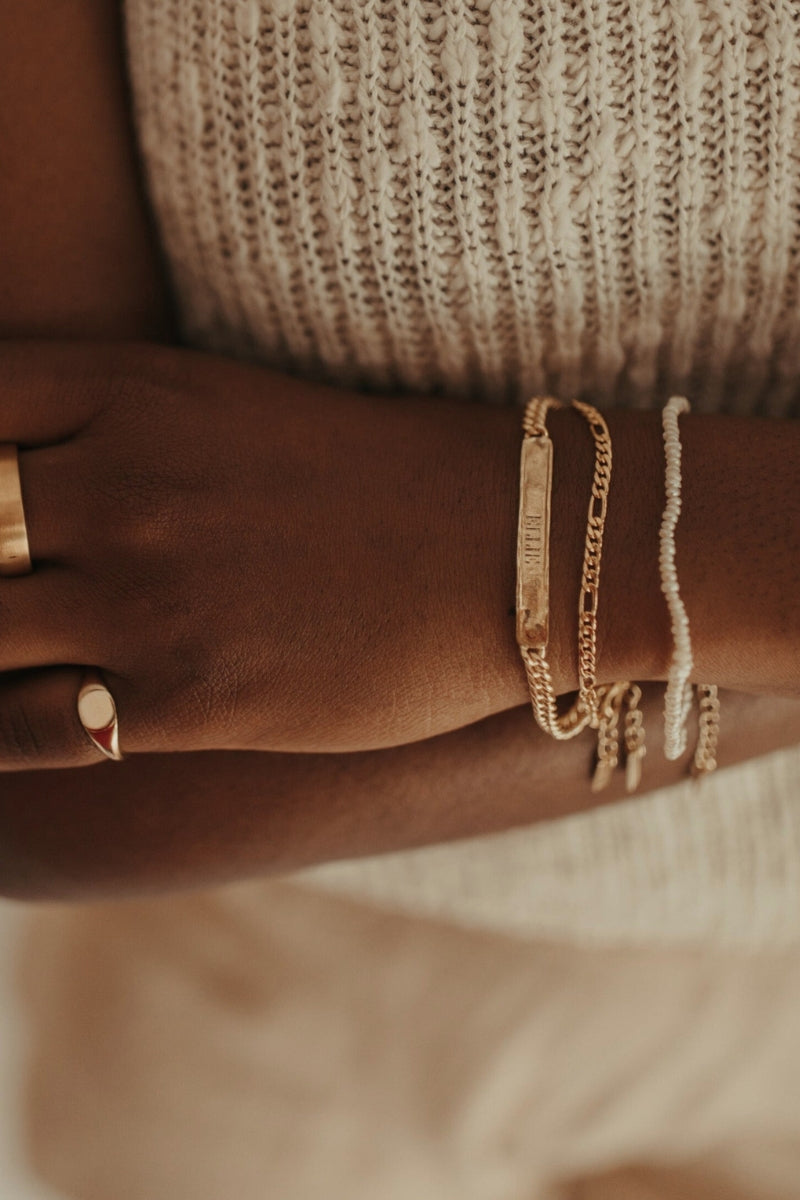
(267, 1040)
(16, 1179)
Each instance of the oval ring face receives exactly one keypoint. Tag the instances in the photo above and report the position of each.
(98, 715)
(96, 707)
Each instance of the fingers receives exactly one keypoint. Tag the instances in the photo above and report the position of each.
(50, 617)
(50, 396)
(47, 504)
(45, 499)
(87, 598)
(40, 726)
(55, 613)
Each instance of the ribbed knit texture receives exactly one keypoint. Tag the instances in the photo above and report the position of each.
(486, 199)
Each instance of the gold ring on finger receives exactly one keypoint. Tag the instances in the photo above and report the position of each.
(97, 713)
(15, 556)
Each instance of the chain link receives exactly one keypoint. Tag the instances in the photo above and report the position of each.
(705, 755)
(609, 705)
(635, 749)
(543, 699)
(590, 581)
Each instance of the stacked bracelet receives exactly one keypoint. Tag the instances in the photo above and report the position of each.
(533, 563)
(601, 707)
(705, 755)
(612, 697)
(533, 573)
(678, 697)
(594, 707)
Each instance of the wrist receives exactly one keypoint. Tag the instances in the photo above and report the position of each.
(738, 550)
(737, 539)
(633, 636)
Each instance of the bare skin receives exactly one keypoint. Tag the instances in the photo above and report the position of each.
(156, 823)
(77, 253)
(163, 821)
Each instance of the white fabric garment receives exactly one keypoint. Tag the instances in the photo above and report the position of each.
(269, 1041)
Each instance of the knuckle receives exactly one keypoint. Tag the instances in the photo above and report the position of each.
(206, 695)
(224, 686)
(150, 507)
(39, 726)
(136, 497)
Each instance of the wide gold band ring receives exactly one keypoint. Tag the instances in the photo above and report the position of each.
(15, 556)
(98, 715)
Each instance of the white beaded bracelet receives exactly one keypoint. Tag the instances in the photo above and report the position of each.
(678, 698)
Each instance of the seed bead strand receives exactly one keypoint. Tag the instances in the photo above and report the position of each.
(678, 698)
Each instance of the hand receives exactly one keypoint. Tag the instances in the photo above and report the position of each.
(248, 559)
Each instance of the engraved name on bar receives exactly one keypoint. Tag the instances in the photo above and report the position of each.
(534, 541)
(533, 570)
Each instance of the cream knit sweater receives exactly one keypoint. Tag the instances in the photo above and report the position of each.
(485, 199)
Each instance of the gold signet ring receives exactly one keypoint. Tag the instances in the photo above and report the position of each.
(15, 557)
(98, 716)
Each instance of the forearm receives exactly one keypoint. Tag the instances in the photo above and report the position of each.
(188, 819)
(738, 553)
(78, 257)
(162, 822)
(184, 820)
(375, 577)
